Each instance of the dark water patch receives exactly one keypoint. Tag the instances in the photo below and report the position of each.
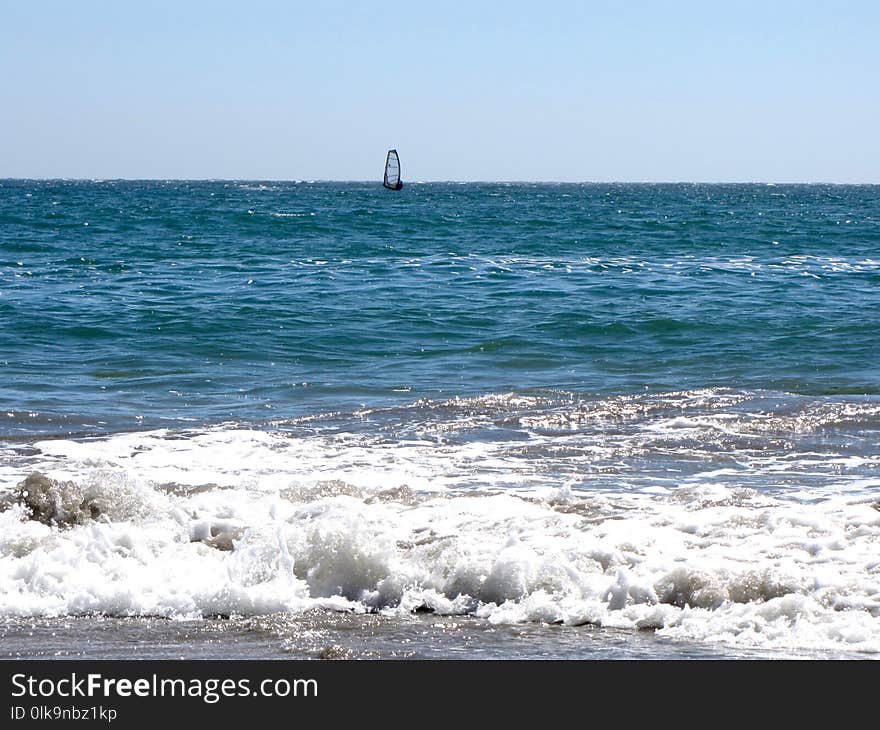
(54, 503)
(329, 635)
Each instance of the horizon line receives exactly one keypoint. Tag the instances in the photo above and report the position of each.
(309, 181)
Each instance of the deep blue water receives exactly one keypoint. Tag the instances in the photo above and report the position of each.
(124, 304)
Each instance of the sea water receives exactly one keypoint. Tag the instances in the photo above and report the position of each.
(467, 420)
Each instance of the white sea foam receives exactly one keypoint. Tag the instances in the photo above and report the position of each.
(241, 521)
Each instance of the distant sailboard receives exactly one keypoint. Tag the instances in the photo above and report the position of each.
(392, 179)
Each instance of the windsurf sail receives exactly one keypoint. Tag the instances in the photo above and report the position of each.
(392, 171)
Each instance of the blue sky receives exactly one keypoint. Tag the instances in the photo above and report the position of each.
(656, 91)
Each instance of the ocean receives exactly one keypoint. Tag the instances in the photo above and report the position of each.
(246, 419)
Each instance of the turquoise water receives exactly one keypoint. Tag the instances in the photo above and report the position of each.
(595, 410)
(221, 300)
